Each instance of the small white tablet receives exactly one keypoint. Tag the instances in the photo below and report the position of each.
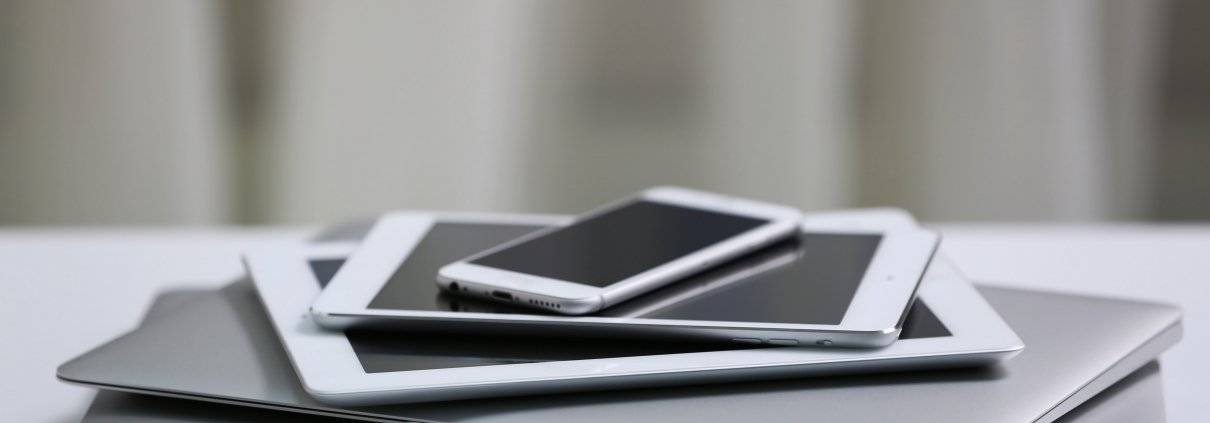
(949, 325)
(835, 283)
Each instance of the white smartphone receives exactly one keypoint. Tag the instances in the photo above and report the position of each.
(845, 279)
(619, 251)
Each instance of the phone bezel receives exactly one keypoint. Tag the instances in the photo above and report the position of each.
(574, 298)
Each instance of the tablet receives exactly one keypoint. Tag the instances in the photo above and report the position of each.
(832, 284)
(950, 325)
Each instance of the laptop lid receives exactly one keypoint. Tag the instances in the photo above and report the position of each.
(1078, 346)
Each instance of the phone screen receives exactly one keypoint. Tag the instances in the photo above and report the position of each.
(620, 243)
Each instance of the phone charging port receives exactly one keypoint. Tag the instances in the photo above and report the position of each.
(502, 295)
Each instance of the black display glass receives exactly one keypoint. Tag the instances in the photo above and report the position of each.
(815, 285)
(412, 287)
(620, 243)
(816, 281)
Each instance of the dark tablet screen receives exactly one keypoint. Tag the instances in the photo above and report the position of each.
(811, 280)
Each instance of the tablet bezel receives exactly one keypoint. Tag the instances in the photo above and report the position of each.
(331, 372)
(871, 319)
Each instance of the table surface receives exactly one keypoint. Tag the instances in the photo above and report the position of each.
(69, 290)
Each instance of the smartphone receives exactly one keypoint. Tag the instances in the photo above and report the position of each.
(843, 279)
(619, 251)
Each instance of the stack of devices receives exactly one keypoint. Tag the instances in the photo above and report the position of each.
(668, 287)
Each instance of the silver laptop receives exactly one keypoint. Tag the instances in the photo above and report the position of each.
(221, 348)
(1136, 398)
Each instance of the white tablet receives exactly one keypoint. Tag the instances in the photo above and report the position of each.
(835, 283)
(949, 325)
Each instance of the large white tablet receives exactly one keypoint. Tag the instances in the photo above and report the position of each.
(837, 282)
(950, 325)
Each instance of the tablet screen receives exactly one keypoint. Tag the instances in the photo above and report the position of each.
(412, 288)
(813, 280)
(808, 280)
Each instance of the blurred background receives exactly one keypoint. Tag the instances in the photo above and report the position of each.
(229, 112)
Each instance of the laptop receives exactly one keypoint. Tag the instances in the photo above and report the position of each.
(1136, 398)
(1078, 346)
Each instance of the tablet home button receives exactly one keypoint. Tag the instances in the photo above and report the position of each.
(776, 341)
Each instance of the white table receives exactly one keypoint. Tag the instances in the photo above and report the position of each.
(67, 290)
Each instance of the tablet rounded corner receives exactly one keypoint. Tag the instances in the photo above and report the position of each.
(870, 337)
(331, 395)
(329, 320)
(885, 336)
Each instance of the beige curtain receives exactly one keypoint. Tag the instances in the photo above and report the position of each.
(1010, 110)
(111, 112)
(124, 111)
